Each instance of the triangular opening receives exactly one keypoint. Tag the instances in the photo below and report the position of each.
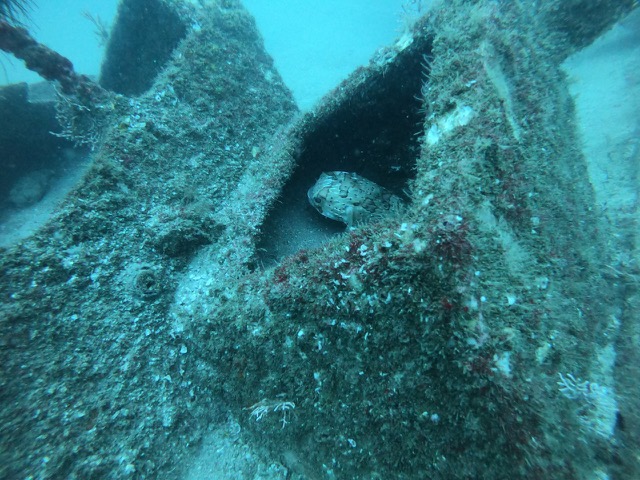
(373, 132)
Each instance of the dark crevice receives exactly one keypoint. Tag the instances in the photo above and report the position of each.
(145, 34)
(373, 133)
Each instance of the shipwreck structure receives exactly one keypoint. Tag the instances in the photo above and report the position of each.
(472, 333)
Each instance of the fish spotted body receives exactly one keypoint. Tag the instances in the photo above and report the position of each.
(349, 198)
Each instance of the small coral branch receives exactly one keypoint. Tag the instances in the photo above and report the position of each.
(101, 29)
(266, 406)
(574, 388)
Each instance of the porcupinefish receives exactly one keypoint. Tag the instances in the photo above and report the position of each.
(350, 198)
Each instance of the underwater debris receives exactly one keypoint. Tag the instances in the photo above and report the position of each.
(394, 337)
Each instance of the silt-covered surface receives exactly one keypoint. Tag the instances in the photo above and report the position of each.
(97, 380)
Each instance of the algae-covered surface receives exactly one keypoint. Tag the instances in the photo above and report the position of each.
(186, 313)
